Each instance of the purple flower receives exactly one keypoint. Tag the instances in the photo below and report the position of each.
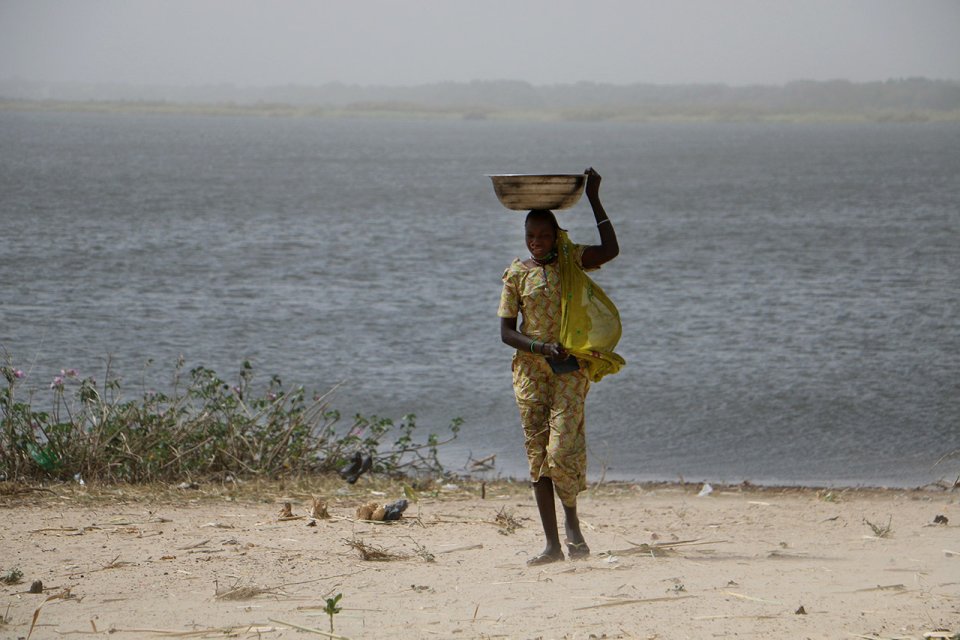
(272, 396)
(57, 383)
(69, 373)
(17, 373)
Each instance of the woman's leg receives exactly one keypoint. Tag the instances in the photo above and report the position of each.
(571, 525)
(530, 385)
(543, 492)
(576, 545)
(567, 453)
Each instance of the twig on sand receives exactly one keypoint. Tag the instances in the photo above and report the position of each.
(422, 551)
(227, 632)
(884, 587)
(458, 519)
(632, 601)
(195, 545)
(740, 617)
(657, 548)
(114, 564)
(751, 598)
(245, 592)
(309, 629)
(507, 522)
(339, 575)
(466, 547)
(63, 595)
(373, 552)
(55, 530)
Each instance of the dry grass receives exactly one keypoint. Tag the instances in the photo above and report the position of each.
(370, 552)
(657, 549)
(880, 531)
(245, 592)
(422, 551)
(507, 522)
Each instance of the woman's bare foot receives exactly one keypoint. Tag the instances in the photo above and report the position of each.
(546, 556)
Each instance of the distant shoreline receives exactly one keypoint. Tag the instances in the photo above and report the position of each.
(626, 114)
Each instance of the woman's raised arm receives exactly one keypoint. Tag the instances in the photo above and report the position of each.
(609, 248)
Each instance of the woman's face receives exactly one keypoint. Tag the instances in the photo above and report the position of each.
(541, 238)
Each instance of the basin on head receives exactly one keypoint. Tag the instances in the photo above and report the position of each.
(525, 191)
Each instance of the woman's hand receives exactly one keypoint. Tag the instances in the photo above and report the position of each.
(554, 351)
(593, 184)
(509, 335)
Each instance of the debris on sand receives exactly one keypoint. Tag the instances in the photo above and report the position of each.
(382, 513)
(373, 552)
(658, 549)
(246, 593)
(286, 513)
(319, 510)
(507, 522)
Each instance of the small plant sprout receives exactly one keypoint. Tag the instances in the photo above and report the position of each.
(333, 608)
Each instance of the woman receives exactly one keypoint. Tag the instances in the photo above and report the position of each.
(551, 403)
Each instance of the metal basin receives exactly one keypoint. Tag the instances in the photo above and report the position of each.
(525, 191)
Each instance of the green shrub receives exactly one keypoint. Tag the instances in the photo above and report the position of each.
(205, 427)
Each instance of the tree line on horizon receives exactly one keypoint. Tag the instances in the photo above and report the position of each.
(487, 97)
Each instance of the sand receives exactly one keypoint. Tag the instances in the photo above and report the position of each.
(666, 563)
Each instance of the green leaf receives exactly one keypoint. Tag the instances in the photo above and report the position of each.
(411, 495)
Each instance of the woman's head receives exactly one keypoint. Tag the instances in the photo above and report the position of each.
(542, 231)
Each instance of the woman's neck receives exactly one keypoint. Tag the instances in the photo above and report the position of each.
(547, 259)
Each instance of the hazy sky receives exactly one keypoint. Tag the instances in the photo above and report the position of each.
(392, 42)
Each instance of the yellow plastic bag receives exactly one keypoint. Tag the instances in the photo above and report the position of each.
(590, 323)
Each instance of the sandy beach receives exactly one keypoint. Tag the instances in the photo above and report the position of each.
(667, 562)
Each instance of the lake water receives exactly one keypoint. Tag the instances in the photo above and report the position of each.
(790, 293)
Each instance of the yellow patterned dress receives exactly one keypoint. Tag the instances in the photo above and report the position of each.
(551, 405)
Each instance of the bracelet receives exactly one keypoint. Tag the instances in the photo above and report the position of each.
(532, 343)
(604, 220)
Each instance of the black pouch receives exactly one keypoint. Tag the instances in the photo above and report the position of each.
(564, 366)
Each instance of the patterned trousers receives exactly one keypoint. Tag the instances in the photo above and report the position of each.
(551, 413)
